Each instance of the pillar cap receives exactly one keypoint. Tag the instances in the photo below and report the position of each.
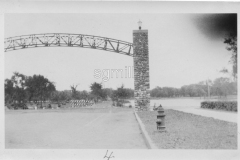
(140, 31)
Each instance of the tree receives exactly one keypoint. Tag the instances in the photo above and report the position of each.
(19, 94)
(97, 91)
(74, 91)
(120, 94)
(9, 90)
(130, 92)
(183, 91)
(82, 95)
(231, 42)
(58, 96)
(55, 96)
(39, 88)
(222, 86)
(15, 90)
(21, 88)
(108, 91)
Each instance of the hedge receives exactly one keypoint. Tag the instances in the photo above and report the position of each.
(220, 105)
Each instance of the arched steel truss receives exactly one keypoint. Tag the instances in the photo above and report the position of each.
(68, 40)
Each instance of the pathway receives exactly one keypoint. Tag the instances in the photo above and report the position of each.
(221, 115)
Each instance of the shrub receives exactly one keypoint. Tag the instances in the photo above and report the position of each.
(220, 105)
(113, 104)
(125, 101)
(119, 104)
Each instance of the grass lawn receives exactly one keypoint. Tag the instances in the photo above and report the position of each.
(189, 131)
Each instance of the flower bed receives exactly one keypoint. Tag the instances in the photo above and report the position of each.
(189, 131)
(220, 105)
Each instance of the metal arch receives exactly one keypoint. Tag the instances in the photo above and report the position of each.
(68, 40)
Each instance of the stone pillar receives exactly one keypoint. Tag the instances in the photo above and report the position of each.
(141, 70)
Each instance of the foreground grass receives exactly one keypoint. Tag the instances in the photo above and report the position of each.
(189, 131)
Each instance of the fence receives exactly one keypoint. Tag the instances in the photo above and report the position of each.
(81, 103)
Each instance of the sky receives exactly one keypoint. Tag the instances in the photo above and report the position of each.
(183, 48)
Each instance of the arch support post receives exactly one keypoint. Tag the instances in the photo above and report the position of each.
(141, 70)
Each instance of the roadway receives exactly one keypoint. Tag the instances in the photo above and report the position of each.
(96, 128)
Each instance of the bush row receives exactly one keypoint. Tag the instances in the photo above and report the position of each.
(220, 105)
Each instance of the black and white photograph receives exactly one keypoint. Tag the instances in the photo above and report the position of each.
(129, 82)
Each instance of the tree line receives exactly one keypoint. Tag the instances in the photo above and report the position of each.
(21, 89)
(219, 87)
(97, 93)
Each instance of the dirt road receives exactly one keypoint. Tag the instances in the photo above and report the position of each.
(96, 128)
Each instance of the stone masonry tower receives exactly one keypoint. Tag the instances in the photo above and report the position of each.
(141, 69)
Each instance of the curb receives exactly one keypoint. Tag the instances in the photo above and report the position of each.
(146, 137)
